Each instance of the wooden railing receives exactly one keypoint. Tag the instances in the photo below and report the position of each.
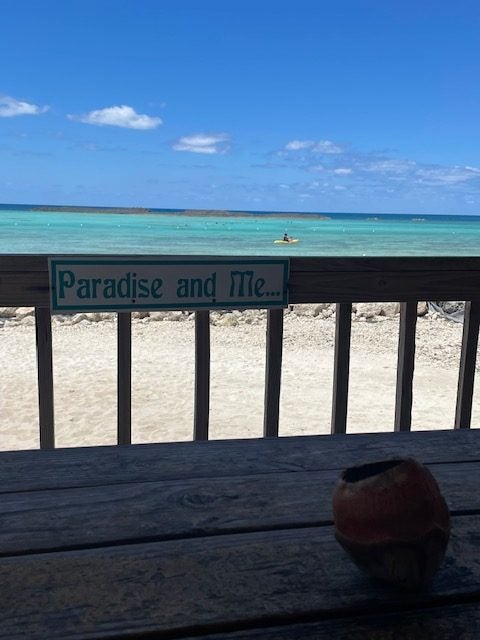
(24, 282)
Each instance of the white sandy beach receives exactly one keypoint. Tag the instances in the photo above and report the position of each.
(163, 373)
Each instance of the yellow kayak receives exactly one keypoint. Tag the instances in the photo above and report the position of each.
(292, 241)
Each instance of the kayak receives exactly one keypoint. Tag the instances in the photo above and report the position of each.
(292, 241)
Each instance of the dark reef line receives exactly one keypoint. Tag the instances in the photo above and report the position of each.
(183, 212)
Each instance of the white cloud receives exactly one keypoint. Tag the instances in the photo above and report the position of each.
(342, 171)
(10, 107)
(208, 143)
(444, 175)
(318, 146)
(123, 116)
(327, 146)
(386, 165)
(296, 145)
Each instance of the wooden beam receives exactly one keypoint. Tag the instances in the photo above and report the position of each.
(405, 367)
(124, 378)
(273, 372)
(468, 358)
(343, 329)
(202, 375)
(24, 279)
(43, 336)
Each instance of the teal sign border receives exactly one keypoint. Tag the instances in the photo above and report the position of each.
(53, 263)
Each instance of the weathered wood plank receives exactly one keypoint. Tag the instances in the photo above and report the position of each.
(43, 335)
(37, 521)
(202, 375)
(341, 368)
(87, 466)
(213, 584)
(124, 378)
(10, 263)
(466, 377)
(24, 279)
(405, 367)
(273, 372)
(439, 623)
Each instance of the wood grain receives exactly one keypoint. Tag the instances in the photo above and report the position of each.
(215, 583)
(91, 466)
(439, 623)
(35, 521)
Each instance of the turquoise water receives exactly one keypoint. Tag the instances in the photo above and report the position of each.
(53, 232)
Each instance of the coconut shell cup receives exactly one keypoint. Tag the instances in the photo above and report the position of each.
(393, 521)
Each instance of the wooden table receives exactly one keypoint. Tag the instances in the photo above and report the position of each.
(225, 540)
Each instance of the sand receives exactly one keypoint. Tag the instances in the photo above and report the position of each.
(163, 375)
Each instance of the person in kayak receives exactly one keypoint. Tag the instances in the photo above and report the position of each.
(286, 237)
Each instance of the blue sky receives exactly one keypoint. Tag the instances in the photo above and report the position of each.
(345, 105)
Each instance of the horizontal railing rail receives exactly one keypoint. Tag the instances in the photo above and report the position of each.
(24, 283)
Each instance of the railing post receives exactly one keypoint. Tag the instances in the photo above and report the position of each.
(405, 367)
(468, 358)
(273, 372)
(43, 337)
(343, 329)
(124, 378)
(202, 375)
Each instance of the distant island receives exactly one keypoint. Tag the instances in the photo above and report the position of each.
(76, 209)
(221, 213)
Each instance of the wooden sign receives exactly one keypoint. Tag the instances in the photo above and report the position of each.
(136, 284)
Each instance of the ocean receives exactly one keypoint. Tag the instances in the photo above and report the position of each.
(37, 229)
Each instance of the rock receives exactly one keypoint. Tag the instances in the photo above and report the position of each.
(328, 311)
(78, 317)
(422, 309)
(324, 308)
(8, 312)
(174, 315)
(368, 309)
(307, 310)
(140, 315)
(228, 320)
(98, 317)
(372, 309)
(158, 315)
(24, 312)
(390, 309)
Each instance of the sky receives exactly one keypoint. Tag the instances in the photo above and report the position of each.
(330, 106)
